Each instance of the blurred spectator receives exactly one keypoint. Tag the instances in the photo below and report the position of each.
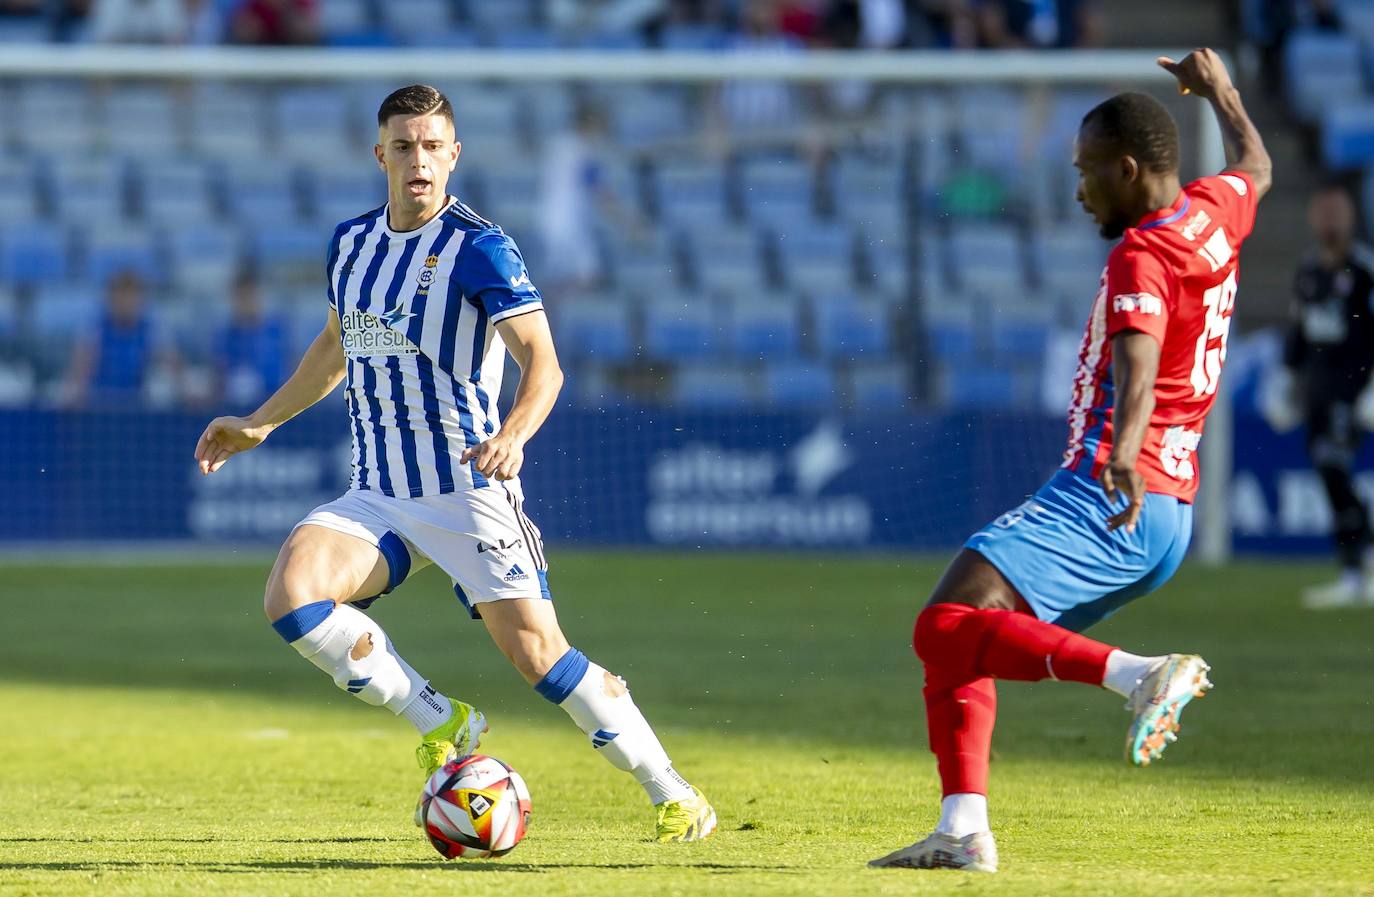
(575, 196)
(579, 18)
(114, 364)
(1039, 23)
(137, 22)
(753, 104)
(275, 22)
(250, 348)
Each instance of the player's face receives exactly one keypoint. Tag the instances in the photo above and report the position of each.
(417, 153)
(1331, 216)
(1105, 185)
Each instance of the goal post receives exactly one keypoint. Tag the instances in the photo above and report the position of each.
(1098, 70)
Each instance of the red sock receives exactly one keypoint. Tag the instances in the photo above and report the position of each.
(968, 642)
(964, 649)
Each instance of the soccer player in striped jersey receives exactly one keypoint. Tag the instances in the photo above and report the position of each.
(1114, 523)
(425, 299)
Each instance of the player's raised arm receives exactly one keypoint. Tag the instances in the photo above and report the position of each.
(1135, 365)
(1203, 73)
(320, 370)
(530, 343)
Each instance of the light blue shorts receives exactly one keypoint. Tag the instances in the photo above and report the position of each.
(1056, 550)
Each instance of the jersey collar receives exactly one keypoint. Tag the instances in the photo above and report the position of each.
(1161, 217)
(425, 228)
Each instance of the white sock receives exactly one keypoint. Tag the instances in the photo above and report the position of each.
(1352, 579)
(601, 706)
(1125, 670)
(963, 814)
(349, 645)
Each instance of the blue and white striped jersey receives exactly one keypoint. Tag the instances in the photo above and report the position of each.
(417, 311)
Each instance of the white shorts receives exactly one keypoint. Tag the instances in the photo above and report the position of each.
(480, 537)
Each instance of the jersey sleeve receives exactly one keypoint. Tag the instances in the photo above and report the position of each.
(331, 260)
(1234, 193)
(493, 274)
(1140, 293)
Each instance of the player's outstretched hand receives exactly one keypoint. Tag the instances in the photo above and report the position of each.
(226, 436)
(500, 457)
(1123, 480)
(1201, 72)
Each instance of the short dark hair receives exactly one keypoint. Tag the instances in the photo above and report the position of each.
(1137, 125)
(417, 99)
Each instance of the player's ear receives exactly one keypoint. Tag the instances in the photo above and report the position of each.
(457, 151)
(377, 151)
(1130, 169)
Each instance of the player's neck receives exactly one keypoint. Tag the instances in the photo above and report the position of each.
(1160, 193)
(401, 219)
(1334, 255)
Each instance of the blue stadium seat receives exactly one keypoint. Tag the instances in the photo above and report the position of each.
(315, 122)
(109, 252)
(800, 384)
(740, 275)
(951, 329)
(815, 257)
(340, 194)
(1348, 135)
(612, 41)
(596, 329)
(348, 23)
(678, 185)
(982, 387)
(846, 328)
(25, 31)
(60, 311)
(290, 252)
(203, 257)
(643, 116)
(763, 328)
(718, 386)
(506, 15)
(1070, 250)
(44, 108)
(172, 192)
(1019, 333)
(685, 327)
(88, 189)
(680, 36)
(18, 200)
(32, 252)
(141, 119)
(884, 385)
(227, 121)
(973, 250)
(649, 270)
(403, 19)
(259, 195)
(522, 39)
(1323, 69)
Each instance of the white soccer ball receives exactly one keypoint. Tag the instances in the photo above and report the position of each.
(475, 807)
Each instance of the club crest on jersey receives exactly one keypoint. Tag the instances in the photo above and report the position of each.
(427, 274)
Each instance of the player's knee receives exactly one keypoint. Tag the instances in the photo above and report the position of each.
(933, 624)
(535, 652)
(289, 587)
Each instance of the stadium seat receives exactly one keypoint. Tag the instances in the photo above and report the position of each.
(646, 271)
(740, 275)
(141, 119)
(974, 250)
(32, 252)
(314, 122)
(60, 311)
(340, 194)
(490, 18)
(88, 189)
(525, 39)
(1322, 69)
(880, 386)
(203, 258)
(290, 253)
(951, 328)
(348, 23)
(227, 121)
(641, 117)
(403, 19)
(683, 327)
(716, 386)
(800, 385)
(763, 328)
(981, 387)
(597, 329)
(1019, 333)
(172, 192)
(25, 31)
(700, 38)
(256, 194)
(847, 328)
(44, 108)
(1347, 135)
(1070, 250)
(109, 252)
(18, 200)
(815, 257)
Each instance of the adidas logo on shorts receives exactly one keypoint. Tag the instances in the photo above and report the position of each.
(515, 574)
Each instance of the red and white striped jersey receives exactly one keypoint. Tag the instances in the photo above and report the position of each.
(1174, 277)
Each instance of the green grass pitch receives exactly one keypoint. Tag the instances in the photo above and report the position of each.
(157, 738)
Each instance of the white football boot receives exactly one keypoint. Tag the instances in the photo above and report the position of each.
(1158, 701)
(972, 853)
(1348, 591)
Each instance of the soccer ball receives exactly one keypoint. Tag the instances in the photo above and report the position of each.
(475, 807)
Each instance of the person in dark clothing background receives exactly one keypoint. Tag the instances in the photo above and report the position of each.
(1326, 380)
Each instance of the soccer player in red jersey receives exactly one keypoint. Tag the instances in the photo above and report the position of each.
(1114, 523)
